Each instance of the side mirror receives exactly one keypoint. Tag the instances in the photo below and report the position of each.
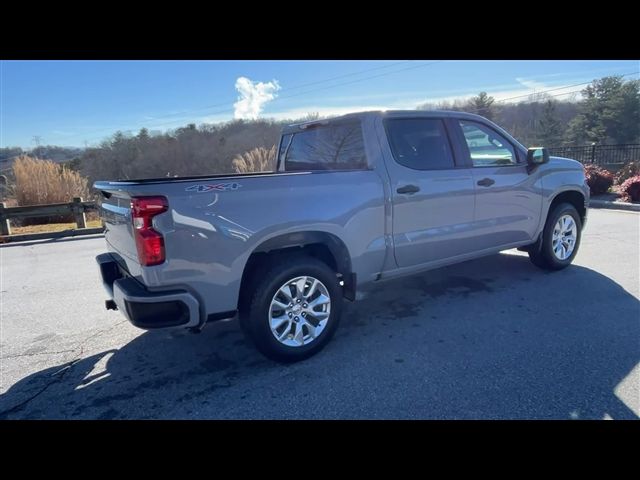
(537, 156)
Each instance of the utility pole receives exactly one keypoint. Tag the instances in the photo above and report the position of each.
(37, 139)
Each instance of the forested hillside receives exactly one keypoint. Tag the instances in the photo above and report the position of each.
(608, 113)
(50, 152)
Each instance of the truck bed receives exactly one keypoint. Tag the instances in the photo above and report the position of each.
(189, 178)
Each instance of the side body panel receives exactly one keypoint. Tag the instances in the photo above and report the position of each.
(508, 211)
(435, 222)
(558, 176)
(210, 235)
(511, 213)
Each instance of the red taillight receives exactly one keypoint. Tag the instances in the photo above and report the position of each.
(150, 243)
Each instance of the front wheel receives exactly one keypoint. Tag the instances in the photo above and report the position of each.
(560, 239)
(294, 309)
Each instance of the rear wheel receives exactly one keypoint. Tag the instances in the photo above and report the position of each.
(560, 239)
(294, 309)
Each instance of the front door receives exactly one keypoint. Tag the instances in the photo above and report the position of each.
(508, 203)
(432, 194)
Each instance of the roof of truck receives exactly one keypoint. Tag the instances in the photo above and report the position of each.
(387, 113)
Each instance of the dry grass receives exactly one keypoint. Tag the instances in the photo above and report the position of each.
(53, 227)
(257, 160)
(40, 182)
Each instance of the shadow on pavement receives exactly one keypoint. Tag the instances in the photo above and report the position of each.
(491, 338)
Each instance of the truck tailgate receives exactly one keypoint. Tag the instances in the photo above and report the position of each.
(115, 211)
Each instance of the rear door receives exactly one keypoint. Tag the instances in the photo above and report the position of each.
(508, 203)
(432, 192)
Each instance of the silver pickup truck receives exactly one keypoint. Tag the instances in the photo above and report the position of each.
(354, 200)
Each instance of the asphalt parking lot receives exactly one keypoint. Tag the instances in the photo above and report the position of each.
(494, 338)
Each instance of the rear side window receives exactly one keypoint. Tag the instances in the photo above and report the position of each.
(331, 147)
(419, 143)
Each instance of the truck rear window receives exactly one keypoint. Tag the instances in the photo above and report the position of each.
(331, 147)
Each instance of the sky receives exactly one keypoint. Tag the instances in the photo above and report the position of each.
(80, 103)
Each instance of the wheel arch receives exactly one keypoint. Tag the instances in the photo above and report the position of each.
(572, 196)
(324, 246)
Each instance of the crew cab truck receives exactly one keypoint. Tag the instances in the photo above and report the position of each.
(354, 200)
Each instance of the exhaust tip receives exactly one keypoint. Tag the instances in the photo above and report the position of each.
(110, 305)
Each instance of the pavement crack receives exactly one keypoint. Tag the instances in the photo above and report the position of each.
(60, 373)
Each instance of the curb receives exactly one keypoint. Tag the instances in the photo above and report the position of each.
(23, 237)
(631, 207)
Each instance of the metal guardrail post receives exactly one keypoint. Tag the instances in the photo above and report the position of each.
(78, 213)
(5, 228)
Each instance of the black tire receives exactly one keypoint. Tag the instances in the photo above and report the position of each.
(254, 314)
(542, 256)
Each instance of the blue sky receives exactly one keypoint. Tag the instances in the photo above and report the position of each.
(73, 102)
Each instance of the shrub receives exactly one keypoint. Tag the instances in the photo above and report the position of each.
(631, 169)
(40, 182)
(43, 181)
(257, 160)
(630, 189)
(599, 179)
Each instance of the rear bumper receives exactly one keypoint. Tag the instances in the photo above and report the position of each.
(143, 308)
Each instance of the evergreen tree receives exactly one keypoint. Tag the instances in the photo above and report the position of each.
(483, 105)
(610, 113)
(549, 132)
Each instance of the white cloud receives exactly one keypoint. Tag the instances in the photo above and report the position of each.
(530, 83)
(253, 96)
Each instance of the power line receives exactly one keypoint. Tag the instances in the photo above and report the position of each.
(543, 92)
(559, 88)
(476, 110)
(360, 80)
(281, 97)
(295, 87)
(348, 74)
(401, 70)
(207, 107)
(230, 108)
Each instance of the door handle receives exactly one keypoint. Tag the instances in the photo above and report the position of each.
(486, 182)
(408, 189)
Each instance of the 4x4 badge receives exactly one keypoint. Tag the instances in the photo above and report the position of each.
(218, 187)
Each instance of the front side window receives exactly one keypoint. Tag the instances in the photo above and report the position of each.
(331, 147)
(486, 147)
(419, 143)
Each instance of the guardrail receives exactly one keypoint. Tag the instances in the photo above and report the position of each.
(76, 208)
